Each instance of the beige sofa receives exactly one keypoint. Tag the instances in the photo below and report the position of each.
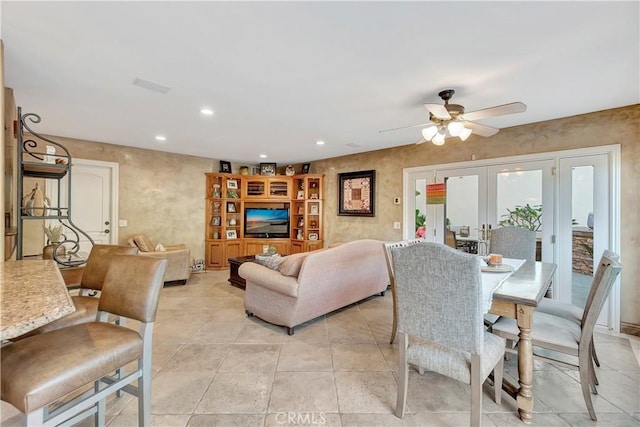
(178, 257)
(311, 284)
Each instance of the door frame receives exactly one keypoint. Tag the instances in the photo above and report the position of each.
(409, 175)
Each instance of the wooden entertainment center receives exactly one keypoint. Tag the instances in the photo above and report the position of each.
(228, 196)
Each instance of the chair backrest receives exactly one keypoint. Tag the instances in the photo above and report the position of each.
(439, 295)
(98, 263)
(606, 254)
(514, 242)
(387, 253)
(450, 239)
(132, 287)
(608, 270)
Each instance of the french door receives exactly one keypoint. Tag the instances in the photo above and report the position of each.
(479, 199)
(577, 193)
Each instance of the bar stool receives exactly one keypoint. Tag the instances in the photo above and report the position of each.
(41, 370)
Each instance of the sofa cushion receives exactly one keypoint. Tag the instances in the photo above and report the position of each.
(291, 264)
(143, 243)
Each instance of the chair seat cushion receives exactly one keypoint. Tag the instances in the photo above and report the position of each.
(38, 370)
(451, 363)
(551, 332)
(561, 309)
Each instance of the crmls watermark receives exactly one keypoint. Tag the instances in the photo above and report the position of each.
(306, 418)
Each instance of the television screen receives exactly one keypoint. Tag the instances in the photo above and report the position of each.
(266, 222)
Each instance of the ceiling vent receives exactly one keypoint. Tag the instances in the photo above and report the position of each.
(146, 84)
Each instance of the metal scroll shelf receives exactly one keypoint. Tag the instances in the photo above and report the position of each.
(34, 161)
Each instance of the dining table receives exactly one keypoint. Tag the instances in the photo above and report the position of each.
(32, 294)
(516, 295)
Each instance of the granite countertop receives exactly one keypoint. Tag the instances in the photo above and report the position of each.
(32, 294)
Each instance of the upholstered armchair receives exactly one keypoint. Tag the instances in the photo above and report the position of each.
(178, 257)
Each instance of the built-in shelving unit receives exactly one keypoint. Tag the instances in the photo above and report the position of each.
(43, 158)
(228, 196)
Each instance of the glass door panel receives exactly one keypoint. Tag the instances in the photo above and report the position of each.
(584, 227)
(519, 195)
(465, 208)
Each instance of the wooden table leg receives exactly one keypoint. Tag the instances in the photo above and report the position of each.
(524, 400)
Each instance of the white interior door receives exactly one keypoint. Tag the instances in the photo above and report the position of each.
(93, 200)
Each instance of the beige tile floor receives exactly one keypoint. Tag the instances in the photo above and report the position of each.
(213, 366)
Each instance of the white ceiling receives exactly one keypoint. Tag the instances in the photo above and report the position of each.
(281, 75)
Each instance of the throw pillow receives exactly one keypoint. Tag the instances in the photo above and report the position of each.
(143, 243)
(273, 261)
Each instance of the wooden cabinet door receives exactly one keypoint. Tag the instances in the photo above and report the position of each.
(297, 247)
(234, 249)
(215, 255)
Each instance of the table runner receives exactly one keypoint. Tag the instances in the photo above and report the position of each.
(490, 281)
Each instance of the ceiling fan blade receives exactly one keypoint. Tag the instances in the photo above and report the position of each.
(499, 110)
(438, 110)
(481, 130)
(405, 127)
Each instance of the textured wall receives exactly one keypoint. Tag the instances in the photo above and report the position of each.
(617, 126)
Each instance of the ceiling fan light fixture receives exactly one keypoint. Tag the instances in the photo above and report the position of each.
(438, 139)
(466, 132)
(429, 132)
(455, 128)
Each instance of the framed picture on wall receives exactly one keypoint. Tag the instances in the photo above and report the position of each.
(225, 167)
(267, 169)
(356, 193)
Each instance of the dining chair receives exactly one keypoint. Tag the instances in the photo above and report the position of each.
(450, 239)
(513, 242)
(38, 372)
(93, 276)
(571, 311)
(387, 255)
(559, 335)
(440, 321)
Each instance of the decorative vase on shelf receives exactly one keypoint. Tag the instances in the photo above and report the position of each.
(54, 236)
(244, 170)
(47, 251)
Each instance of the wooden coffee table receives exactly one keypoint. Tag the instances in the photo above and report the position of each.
(234, 265)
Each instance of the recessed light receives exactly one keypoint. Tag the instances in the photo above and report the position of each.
(319, 142)
(207, 111)
(161, 138)
(263, 156)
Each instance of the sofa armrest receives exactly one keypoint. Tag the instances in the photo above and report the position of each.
(259, 275)
(178, 263)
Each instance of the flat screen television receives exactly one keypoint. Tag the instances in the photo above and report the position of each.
(266, 223)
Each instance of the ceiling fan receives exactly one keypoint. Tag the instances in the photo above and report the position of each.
(450, 120)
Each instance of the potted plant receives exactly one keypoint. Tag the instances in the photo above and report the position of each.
(527, 216)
